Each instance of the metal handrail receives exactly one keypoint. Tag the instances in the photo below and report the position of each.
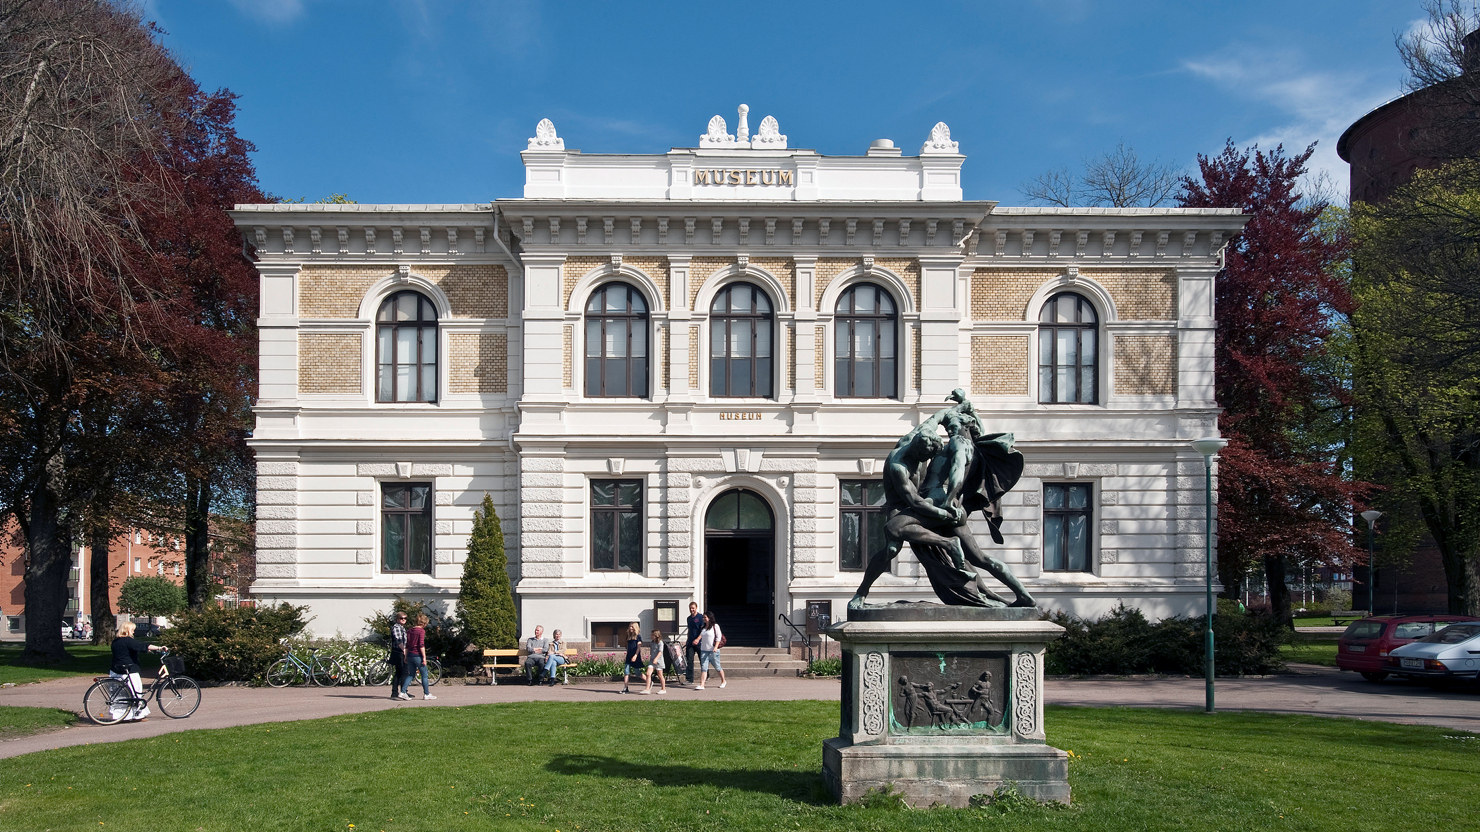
(806, 639)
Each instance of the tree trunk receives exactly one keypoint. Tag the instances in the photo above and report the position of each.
(198, 582)
(100, 605)
(1279, 593)
(49, 550)
(1461, 581)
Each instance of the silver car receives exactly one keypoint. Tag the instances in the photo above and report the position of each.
(1450, 653)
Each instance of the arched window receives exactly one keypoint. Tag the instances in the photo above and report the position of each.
(1068, 353)
(406, 349)
(740, 336)
(616, 342)
(865, 357)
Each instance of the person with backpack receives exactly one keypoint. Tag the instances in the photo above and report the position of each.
(711, 639)
(398, 654)
(655, 667)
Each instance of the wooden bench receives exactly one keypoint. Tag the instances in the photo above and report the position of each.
(511, 660)
(1339, 617)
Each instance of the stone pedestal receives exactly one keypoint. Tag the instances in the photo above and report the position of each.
(942, 703)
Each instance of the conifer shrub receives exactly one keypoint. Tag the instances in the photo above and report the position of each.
(485, 605)
(227, 644)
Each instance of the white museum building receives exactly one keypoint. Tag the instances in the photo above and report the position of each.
(677, 376)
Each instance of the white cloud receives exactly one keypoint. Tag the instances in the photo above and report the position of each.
(1317, 105)
(270, 11)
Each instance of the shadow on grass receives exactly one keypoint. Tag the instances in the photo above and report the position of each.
(800, 786)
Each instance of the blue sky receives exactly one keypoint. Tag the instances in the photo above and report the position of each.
(431, 101)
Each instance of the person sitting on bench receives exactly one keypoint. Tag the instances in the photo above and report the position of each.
(536, 645)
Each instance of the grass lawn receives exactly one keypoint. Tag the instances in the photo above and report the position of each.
(1311, 648)
(659, 765)
(83, 660)
(18, 722)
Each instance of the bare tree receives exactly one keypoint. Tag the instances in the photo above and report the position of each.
(1115, 179)
(86, 93)
(1443, 61)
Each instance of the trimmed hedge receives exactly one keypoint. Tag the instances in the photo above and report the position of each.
(1123, 642)
(232, 643)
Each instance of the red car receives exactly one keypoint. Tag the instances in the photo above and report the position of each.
(1365, 645)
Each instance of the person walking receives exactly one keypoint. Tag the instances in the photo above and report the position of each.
(691, 641)
(557, 658)
(711, 638)
(416, 653)
(632, 663)
(125, 667)
(656, 666)
(398, 654)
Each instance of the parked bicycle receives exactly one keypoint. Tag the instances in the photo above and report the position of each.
(109, 700)
(379, 672)
(320, 670)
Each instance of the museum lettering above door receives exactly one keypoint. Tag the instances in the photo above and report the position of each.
(740, 566)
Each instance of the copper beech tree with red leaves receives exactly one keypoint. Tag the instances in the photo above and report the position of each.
(1283, 499)
(126, 304)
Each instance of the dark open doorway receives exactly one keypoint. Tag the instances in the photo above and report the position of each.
(740, 567)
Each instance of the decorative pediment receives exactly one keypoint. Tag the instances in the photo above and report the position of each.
(716, 136)
(545, 138)
(940, 141)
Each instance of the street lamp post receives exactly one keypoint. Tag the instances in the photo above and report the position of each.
(1371, 515)
(1209, 447)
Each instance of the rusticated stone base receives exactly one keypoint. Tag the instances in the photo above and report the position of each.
(944, 775)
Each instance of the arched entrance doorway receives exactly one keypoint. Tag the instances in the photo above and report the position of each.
(740, 566)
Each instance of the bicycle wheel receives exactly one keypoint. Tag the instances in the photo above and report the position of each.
(285, 672)
(178, 696)
(379, 673)
(434, 671)
(105, 698)
(327, 674)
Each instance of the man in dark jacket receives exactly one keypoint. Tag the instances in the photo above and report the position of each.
(398, 654)
(691, 643)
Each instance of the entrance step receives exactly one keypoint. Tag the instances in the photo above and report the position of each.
(750, 662)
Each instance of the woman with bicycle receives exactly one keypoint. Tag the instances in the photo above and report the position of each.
(125, 667)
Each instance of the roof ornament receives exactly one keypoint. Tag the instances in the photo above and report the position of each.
(769, 136)
(940, 140)
(716, 136)
(545, 138)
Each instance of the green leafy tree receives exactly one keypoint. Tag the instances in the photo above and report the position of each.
(486, 605)
(151, 596)
(1418, 367)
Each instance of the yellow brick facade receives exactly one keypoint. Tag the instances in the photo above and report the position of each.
(329, 363)
(567, 366)
(478, 363)
(828, 270)
(999, 365)
(656, 269)
(1003, 294)
(1145, 365)
(908, 271)
(473, 290)
(700, 270)
(1149, 295)
(785, 272)
(694, 357)
(819, 359)
(573, 270)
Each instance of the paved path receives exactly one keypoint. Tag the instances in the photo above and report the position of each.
(1306, 690)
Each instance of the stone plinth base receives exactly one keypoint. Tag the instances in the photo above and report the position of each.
(944, 775)
(943, 703)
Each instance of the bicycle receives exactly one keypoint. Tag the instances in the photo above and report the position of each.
(379, 672)
(109, 700)
(291, 670)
